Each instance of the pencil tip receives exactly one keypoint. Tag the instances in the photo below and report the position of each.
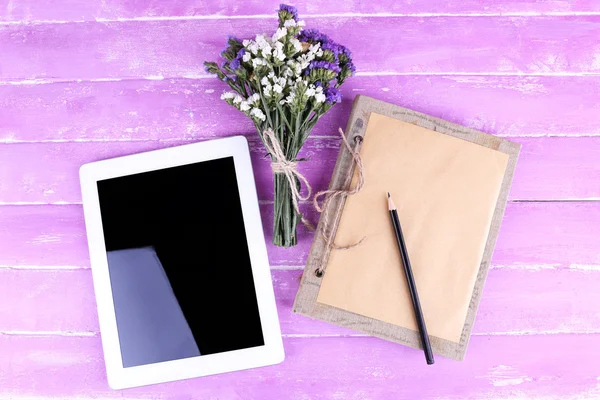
(391, 205)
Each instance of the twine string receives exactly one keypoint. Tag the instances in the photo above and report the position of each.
(281, 165)
(332, 194)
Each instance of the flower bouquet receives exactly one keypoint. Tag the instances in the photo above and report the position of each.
(284, 82)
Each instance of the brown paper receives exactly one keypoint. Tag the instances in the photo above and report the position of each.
(446, 190)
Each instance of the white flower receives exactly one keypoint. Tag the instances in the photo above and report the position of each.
(290, 98)
(310, 91)
(257, 112)
(315, 50)
(244, 106)
(254, 98)
(266, 50)
(258, 61)
(296, 43)
(277, 88)
(271, 75)
(252, 48)
(314, 47)
(227, 95)
(264, 81)
(279, 54)
(260, 39)
(289, 23)
(279, 33)
(246, 57)
(246, 42)
(267, 90)
(237, 99)
(320, 97)
(300, 23)
(304, 60)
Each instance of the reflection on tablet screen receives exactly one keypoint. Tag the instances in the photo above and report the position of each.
(178, 261)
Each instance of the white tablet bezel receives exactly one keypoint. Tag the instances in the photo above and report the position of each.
(269, 354)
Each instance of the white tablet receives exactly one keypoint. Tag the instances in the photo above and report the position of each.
(179, 263)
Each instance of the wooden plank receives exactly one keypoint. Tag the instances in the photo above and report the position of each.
(35, 10)
(533, 235)
(549, 168)
(497, 367)
(176, 48)
(514, 302)
(185, 108)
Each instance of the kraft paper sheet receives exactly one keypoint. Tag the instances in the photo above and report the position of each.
(446, 191)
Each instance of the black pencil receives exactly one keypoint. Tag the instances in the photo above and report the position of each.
(412, 287)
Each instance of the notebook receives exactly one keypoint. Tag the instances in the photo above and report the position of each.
(450, 185)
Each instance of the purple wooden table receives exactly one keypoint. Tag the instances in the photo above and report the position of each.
(83, 80)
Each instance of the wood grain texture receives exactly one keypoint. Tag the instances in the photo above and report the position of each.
(177, 48)
(555, 366)
(514, 302)
(35, 10)
(100, 70)
(191, 109)
(533, 235)
(551, 168)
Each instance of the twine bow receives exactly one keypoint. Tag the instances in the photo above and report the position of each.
(281, 165)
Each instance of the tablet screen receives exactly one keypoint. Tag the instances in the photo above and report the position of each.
(178, 261)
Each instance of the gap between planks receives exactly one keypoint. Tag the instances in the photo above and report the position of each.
(522, 267)
(268, 202)
(308, 16)
(9, 141)
(300, 335)
(46, 81)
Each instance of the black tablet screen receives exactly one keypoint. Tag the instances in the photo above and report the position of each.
(178, 261)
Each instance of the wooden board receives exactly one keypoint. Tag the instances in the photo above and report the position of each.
(83, 80)
(550, 168)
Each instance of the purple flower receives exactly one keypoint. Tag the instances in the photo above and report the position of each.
(332, 46)
(345, 51)
(321, 64)
(236, 62)
(332, 95)
(312, 36)
(351, 67)
(289, 9)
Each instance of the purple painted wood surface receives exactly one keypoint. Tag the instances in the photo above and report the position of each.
(73, 10)
(549, 168)
(502, 367)
(535, 235)
(543, 300)
(173, 48)
(86, 80)
(188, 108)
